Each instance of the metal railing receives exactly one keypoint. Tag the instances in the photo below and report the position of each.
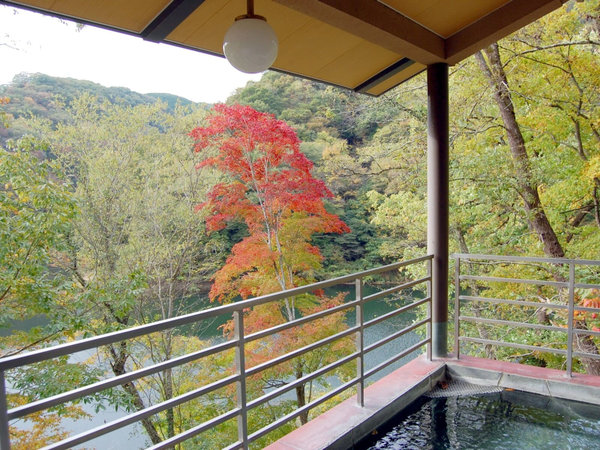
(238, 344)
(555, 277)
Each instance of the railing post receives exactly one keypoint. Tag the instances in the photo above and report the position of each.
(4, 431)
(240, 363)
(429, 310)
(571, 313)
(457, 308)
(360, 343)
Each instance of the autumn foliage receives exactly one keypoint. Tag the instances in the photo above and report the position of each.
(592, 319)
(270, 187)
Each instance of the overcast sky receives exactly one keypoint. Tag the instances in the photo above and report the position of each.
(31, 42)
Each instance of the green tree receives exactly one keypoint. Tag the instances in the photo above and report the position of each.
(134, 253)
(36, 209)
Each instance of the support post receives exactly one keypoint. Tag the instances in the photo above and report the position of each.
(570, 320)
(240, 365)
(360, 343)
(437, 200)
(4, 428)
(429, 352)
(457, 308)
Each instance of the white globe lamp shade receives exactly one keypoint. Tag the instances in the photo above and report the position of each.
(250, 45)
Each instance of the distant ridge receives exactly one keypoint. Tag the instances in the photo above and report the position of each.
(47, 96)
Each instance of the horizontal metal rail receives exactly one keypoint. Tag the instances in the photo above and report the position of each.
(396, 335)
(396, 312)
(524, 259)
(84, 391)
(300, 381)
(393, 290)
(238, 343)
(570, 284)
(504, 301)
(294, 323)
(560, 284)
(586, 308)
(141, 414)
(586, 355)
(235, 446)
(535, 348)
(285, 419)
(587, 286)
(588, 332)
(510, 323)
(194, 431)
(299, 352)
(395, 358)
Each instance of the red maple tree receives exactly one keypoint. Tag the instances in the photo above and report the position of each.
(270, 187)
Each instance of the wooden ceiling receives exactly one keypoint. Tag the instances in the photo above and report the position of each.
(369, 46)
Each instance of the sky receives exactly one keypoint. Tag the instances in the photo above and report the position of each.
(31, 42)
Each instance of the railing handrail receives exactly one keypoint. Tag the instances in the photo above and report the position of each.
(569, 284)
(509, 258)
(10, 362)
(237, 343)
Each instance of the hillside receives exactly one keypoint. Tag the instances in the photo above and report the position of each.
(48, 97)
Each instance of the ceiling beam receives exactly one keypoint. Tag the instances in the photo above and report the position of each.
(376, 23)
(169, 19)
(496, 25)
(385, 74)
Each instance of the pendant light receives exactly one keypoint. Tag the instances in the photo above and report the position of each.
(250, 44)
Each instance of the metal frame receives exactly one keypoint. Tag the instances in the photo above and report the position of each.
(174, 14)
(570, 284)
(242, 372)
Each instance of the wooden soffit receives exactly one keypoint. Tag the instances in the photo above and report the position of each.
(369, 46)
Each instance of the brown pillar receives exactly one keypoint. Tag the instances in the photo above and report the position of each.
(437, 201)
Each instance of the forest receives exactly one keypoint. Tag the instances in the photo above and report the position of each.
(119, 209)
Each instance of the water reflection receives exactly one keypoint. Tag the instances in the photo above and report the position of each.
(508, 420)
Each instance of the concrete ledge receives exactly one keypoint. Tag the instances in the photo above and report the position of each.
(346, 424)
(537, 380)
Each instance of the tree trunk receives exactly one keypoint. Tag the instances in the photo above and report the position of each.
(118, 367)
(586, 344)
(169, 395)
(301, 395)
(528, 189)
(526, 185)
